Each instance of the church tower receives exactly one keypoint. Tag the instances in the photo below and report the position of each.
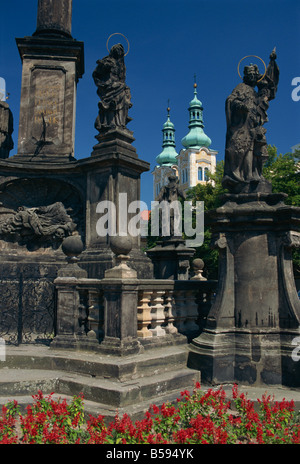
(196, 159)
(167, 159)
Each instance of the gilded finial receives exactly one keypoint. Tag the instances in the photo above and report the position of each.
(195, 83)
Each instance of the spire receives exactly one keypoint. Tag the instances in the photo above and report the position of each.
(168, 156)
(196, 137)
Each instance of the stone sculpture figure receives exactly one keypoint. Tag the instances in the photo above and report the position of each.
(246, 114)
(171, 193)
(115, 98)
(37, 225)
(6, 130)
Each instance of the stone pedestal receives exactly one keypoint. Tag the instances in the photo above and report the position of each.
(256, 315)
(51, 68)
(171, 259)
(120, 316)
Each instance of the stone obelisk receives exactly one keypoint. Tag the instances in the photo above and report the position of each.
(52, 64)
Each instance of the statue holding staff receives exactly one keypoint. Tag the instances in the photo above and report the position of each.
(246, 114)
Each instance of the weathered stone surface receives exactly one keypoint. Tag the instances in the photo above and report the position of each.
(52, 64)
(115, 98)
(171, 259)
(128, 384)
(6, 130)
(54, 17)
(256, 314)
(246, 114)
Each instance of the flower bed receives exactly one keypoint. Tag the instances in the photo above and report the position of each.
(198, 417)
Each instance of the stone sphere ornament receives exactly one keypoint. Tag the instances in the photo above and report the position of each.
(120, 245)
(198, 266)
(72, 246)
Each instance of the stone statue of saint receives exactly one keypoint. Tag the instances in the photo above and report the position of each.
(6, 130)
(115, 98)
(246, 145)
(171, 193)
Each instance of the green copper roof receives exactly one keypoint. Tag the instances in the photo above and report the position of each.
(168, 155)
(196, 137)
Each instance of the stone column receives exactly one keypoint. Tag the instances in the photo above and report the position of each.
(256, 314)
(54, 16)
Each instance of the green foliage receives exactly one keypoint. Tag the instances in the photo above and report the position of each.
(211, 194)
(283, 171)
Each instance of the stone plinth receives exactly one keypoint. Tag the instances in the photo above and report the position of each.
(51, 68)
(171, 259)
(256, 315)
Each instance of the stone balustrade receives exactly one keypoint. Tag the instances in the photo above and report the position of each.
(164, 309)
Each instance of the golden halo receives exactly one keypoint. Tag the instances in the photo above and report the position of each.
(254, 56)
(118, 33)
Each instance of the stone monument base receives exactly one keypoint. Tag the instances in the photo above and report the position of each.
(109, 384)
(254, 324)
(171, 259)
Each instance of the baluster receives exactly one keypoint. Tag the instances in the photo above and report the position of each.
(169, 316)
(157, 313)
(144, 314)
(95, 315)
(190, 324)
(82, 313)
(180, 310)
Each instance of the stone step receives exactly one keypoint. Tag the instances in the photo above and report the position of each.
(103, 396)
(16, 382)
(149, 363)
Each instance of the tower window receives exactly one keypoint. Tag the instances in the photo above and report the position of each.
(200, 174)
(206, 171)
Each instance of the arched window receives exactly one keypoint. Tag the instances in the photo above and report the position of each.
(206, 171)
(200, 174)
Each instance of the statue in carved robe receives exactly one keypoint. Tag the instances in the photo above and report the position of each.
(246, 114)
(115, 98)
(171, 193)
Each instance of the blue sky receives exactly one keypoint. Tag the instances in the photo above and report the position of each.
(170, 42)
